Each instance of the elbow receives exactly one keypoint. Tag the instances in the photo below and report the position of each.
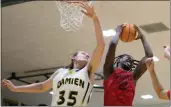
(159, 97)
(159, 94)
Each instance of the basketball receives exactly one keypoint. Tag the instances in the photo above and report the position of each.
(128, 33)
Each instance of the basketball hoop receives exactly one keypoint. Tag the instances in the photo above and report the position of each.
(71, 16)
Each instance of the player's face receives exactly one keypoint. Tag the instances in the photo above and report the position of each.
(125, 63)
(82, 58)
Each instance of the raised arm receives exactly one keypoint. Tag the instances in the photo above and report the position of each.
(98, 51)
(141, 68)
(161, 93)
(32, 88)
(110, 56)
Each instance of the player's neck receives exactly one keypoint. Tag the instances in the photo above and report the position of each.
(120, 67)
(76, 66)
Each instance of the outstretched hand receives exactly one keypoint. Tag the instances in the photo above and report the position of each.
(150, 64)
(89, 10)
(8, 84)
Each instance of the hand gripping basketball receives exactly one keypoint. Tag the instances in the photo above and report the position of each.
(8, 84)
(119, 28)
(139, 32)
(128, 33)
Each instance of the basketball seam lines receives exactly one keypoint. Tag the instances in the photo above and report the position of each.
(121, 35)
(128, 33)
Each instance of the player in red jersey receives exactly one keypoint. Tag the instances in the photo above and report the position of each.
(122, 73)
(160, 91)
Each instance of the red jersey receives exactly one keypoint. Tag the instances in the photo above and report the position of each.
(119, 88)
(168, 94)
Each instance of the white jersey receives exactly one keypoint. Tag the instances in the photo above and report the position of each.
(71, 88)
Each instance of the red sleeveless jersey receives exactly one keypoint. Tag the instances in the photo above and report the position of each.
(119, 88)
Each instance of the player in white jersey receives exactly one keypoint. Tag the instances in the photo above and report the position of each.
(72, 86)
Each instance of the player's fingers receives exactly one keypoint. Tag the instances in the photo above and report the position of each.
(3, 85)
(124, 24)
(121, 26)
(84, 12)
(136, 27)
(7, 81)
(84, 4)
(4, 81)
(8, 84)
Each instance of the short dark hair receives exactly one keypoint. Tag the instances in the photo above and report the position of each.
(133, 65)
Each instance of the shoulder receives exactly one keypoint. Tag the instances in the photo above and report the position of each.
(57, 72)
(60, 69)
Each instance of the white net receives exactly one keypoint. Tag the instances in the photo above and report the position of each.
(71, 17)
